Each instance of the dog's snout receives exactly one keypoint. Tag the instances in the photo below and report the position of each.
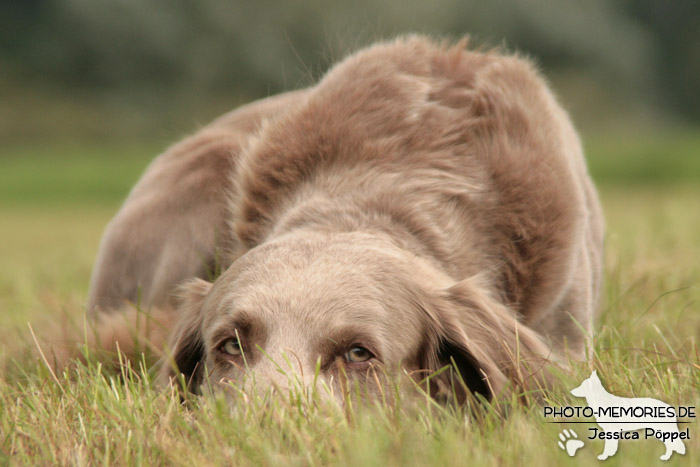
(279, 376)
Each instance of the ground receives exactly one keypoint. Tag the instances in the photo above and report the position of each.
(55, 200)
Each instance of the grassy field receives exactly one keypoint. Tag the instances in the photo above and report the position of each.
(55, 201)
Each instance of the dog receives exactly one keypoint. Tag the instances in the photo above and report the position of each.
(424, 205)
(598, 398)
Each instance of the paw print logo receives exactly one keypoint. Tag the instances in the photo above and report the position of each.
(569, 442)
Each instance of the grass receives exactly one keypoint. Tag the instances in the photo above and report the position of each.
(55, 201)
(48, 175)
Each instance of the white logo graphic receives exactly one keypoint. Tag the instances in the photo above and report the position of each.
(618, 416)
(569, 443)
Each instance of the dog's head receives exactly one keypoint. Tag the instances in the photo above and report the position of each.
(343, 306)
(588, 387)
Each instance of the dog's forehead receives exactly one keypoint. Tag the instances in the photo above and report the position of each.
(338, 281)
(312, 258)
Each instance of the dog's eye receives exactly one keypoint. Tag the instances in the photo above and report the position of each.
(357, 355)
(231, 347)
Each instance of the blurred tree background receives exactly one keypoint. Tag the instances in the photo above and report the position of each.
(113, 69)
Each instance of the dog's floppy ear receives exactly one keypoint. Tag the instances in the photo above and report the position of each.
(484, 343)
(464, 372)
(186, 345)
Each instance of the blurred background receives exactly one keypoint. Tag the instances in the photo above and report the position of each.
(108, 78)
(92, 90)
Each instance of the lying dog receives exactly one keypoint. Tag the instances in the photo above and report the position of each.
(422, 205)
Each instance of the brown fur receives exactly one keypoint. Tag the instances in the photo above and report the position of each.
(427, 202)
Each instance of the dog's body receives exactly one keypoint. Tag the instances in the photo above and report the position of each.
(422, 203)
(598, 398)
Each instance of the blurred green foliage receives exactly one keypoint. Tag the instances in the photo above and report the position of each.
(265, 46)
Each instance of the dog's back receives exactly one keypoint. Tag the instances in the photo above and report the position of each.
(470, 149)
